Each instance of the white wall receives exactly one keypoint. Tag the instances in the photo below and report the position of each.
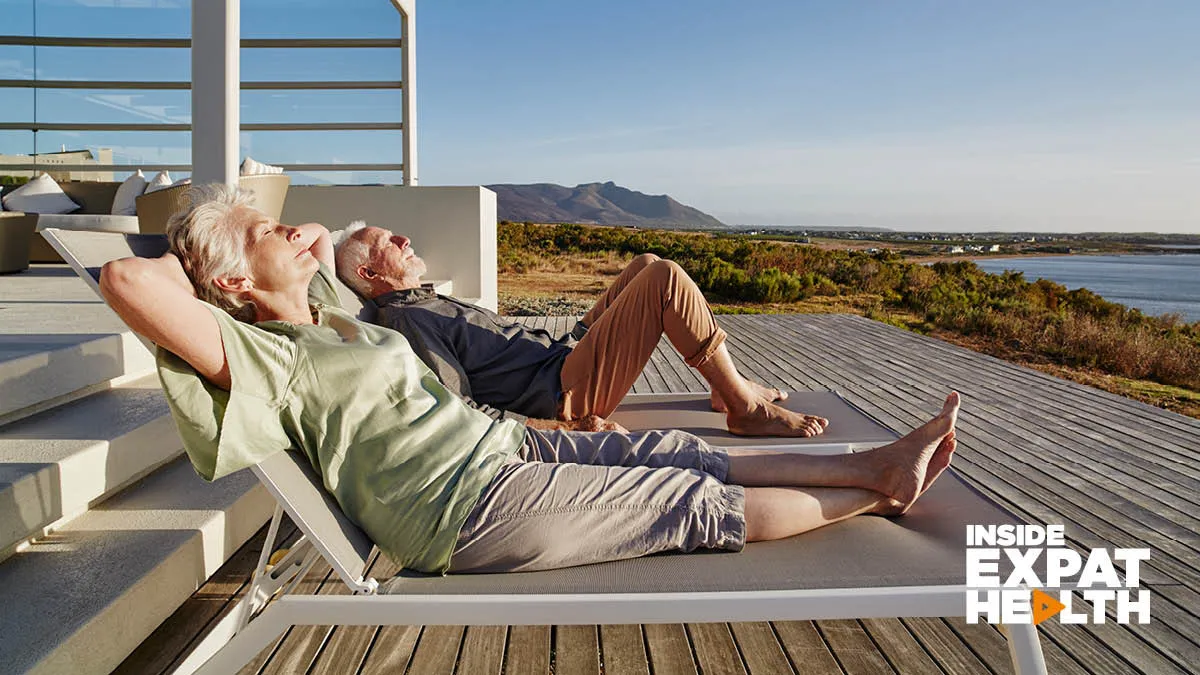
(452, 228)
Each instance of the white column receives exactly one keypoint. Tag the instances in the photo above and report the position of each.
(408, 76)
(216, 84)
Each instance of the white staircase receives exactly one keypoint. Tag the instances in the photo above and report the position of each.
(105, 529)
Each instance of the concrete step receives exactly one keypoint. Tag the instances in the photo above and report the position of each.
(59, 341)
(80, 600)
(56, 464)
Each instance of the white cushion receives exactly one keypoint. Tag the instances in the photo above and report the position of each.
(125, 201)
(182, 181)
(40, 195)
(253, 168)
(161, 181)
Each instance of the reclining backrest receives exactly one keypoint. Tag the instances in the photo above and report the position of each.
(286, 475)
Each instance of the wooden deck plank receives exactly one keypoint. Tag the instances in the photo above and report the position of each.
(805, 648)
(1063, 433)
(670, 649)
(716, 652)
(623, 650)
(949, 652)
(690, 379)
(483, 651)
(346, 648)
(437, 650)
(853, 648)
(528, 651)
(577, 650)
(899, 647)
(1075, 395)
(760, 649)
(391, 650)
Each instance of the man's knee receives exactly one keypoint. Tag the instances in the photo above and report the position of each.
(666, 271)
(643, 261)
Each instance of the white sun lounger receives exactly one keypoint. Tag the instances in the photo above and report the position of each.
(866, 567)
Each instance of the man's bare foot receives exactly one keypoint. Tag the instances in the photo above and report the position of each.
(937, 465)
(768, 394)
(768, 419)
(904, 464)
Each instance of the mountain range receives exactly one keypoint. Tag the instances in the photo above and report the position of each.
(596, 203)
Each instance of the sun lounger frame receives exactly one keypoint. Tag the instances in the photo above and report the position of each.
(270, 605)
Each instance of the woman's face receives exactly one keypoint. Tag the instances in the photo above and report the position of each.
(278, 255)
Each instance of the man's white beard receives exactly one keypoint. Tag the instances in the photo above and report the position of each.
(414, 268)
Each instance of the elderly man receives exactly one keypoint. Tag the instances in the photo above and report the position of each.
(575, 381)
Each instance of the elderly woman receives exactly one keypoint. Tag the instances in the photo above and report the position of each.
(256, 356)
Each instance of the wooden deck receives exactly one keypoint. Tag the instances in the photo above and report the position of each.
(1117, 472)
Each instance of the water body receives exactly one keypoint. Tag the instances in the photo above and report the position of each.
(1155, 284)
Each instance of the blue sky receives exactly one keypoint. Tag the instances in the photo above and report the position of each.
(1065, 115)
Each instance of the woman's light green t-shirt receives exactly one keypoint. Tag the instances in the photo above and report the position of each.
(405, 458)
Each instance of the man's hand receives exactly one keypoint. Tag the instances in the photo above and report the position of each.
(588, 423)
(597, 423)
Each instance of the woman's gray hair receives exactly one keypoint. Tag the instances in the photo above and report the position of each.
(204, 236)
(350, 254)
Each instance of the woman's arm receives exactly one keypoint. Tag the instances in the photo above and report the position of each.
(322, 248)
(155, 298)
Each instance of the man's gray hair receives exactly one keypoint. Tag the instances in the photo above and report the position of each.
(204, 236)
(350, 254)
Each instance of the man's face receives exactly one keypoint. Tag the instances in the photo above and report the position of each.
(393, 257)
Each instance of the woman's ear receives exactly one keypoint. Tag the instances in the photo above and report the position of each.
(233, 284)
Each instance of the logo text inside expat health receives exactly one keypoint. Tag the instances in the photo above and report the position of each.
(1020, 574)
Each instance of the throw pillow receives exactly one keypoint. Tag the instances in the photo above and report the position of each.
(40, 195)
(252, 168)
(161, 181)
(125, 201)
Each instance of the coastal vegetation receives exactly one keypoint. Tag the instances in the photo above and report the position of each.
(1038, 323)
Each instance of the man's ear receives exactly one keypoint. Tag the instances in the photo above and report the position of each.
(366, 273)
(233, 284)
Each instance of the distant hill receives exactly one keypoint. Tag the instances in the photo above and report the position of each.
(598, 203)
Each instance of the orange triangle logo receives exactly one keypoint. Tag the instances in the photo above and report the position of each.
(1044, 606)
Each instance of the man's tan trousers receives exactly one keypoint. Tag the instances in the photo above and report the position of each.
(651, 297)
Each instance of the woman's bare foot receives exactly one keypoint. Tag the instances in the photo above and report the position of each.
(904, 464)
(769, 394)
(937, 465)
(767, 419)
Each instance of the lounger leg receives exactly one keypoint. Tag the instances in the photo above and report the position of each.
(1025, 649)
(245, 645)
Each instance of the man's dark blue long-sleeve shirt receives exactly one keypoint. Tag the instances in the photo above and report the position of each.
(499, 367)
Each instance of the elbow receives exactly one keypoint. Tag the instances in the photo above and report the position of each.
(119, 278)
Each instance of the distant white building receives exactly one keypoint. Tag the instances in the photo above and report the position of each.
(956, 249)
(994, 248)
(66, 157)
